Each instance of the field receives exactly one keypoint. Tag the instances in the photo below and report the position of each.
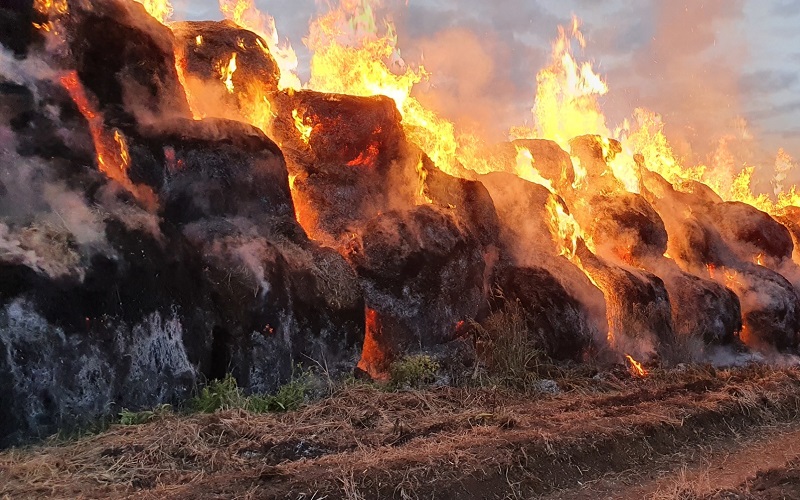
(691, 433)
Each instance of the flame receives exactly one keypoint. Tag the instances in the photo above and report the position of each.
(525, 169)
(245, 14)
(366, 158)
(373, 360)
(198, 40)
(566, 103)
(301, 126)
(227, 71)
(636, 369)
(159, 9)
(422, 193)
(113, 158)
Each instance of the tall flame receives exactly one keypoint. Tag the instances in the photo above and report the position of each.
(159, 9)
(226, 72)
(245, 14)
(566, 103)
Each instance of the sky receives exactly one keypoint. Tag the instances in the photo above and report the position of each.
(707, 66)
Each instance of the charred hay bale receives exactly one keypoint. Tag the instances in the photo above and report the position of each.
(16, 25)
(470, 200)
(45, 122)
(750, 232)
(770, 307)
(215, 168)
(557, 323)
(280, 302)
(422, 273)
(627, 225)
(208, 46)
(362, 133)
(701, 308)
(127, 329)
(125, 58)
(638, 308)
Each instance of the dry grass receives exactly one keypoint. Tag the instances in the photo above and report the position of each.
(364, 442)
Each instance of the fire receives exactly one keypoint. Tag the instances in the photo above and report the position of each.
(302, 127)
(373, 360)
(566, 97)
(227, 71)
(565, 230)
(525, 169)
(245, 14)
(366, 158)
(113, 158)
(159, 9)
(422, 193)
(636, 368)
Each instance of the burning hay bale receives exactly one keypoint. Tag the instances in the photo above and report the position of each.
(558, 324)
(208, 47)
(125, 58)
(751, 233)
(228, 71)
(422, 273)
(625, 227)
(526, 240)
(639, 311)
(345, 155)
(703, 241)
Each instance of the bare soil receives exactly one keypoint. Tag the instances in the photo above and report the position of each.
(677, 434)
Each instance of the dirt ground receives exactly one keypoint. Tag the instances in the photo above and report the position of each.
(696, 433)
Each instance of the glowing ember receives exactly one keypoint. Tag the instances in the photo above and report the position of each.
(366, 158)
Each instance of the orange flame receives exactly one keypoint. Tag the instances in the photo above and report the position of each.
(226, 72)
(111, 149)
(159, 9)
(636, 369)
(245, 14)
(301, 126)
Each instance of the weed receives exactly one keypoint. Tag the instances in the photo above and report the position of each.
(413, 371)
(222, 394)
(127, 417)
(289, 397)
(511, 356)
(225, 394)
